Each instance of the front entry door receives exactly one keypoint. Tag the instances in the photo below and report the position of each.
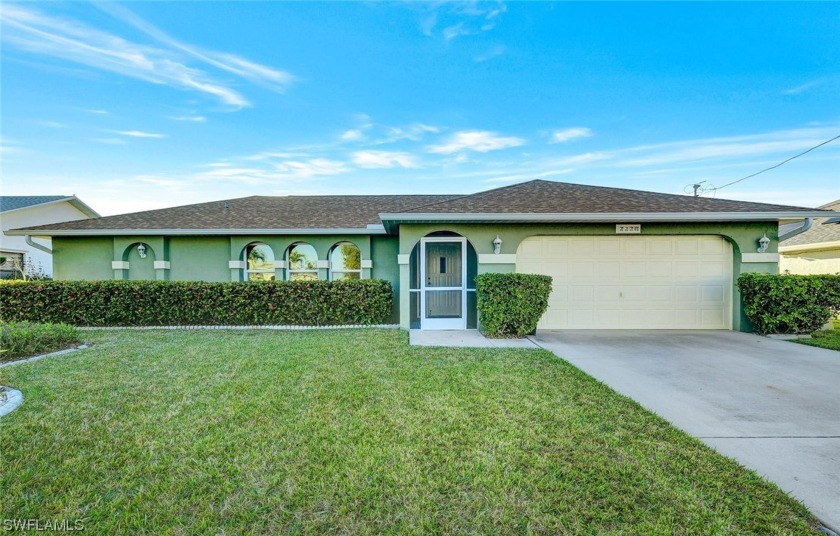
(442, 292)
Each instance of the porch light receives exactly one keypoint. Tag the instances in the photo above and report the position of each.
(497, 245)
(141, 250)
(763, 242)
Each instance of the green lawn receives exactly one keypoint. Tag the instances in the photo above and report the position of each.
(825, 339)
(354, 432)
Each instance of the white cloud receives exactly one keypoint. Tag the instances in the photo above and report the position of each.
(803, 87)
(460, 18)
(412, 132)
(352, 135)
(34, 32)
(561, 136)
(481, 141)
(490, 53)
(270, 170)
(383, 159)
(724, 148)
(139, 134)
(189, 118)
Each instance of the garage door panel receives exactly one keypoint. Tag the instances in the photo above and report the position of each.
(633, 247)
(687, 246)
(633, 282)
(633, 269)
(660, 247)
(712, 246)
(608, 270)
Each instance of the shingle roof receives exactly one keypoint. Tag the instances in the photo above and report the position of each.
(14, 202)
(260, 212)
(822, 230)
(548, 197)
(335, 212)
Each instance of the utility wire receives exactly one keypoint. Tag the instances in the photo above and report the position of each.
(713, 189)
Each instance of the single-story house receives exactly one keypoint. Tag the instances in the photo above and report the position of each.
(619, 258)
(813, 248)
(31, 210)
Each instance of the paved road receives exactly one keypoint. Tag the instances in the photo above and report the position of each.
(772, 405)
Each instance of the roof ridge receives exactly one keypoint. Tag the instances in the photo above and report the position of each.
(476, 193)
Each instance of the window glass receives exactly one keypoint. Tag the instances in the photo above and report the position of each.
(259, 263)
(346, 256)
(303, 263)
(345, 262)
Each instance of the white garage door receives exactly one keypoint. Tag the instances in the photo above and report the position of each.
(632, 282)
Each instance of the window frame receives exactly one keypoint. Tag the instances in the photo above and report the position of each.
(290, 272)
(333, 271)
(248, 270)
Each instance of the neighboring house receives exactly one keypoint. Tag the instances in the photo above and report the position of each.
(814, 251)
(619, 258)
(31, 210)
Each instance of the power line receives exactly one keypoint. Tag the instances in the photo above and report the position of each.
(697, 187)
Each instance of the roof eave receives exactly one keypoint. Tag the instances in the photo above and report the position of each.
(190, 232)
(606, 217)
(812, 246)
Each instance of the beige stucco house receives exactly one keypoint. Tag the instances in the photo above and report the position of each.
(816, 250)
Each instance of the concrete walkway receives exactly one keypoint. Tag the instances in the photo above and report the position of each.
(470, 338)
(772, 405)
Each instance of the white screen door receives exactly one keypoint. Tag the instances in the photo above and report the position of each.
(443, 273)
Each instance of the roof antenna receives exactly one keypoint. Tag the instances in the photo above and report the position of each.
(695, 186)
(226, 204)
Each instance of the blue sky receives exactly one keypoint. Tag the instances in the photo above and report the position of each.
(142, 105)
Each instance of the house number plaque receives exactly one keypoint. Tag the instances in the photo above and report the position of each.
(628, 228)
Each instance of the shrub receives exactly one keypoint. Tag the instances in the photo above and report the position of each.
(789, 303)
(24, 339)
(169, 303)
(510, 305)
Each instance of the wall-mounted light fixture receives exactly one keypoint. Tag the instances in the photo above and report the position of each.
(763, 242)
(497, 245)
(141, 250)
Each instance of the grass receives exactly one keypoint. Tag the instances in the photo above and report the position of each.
(825, 339)
(354, 432)
(24, 339)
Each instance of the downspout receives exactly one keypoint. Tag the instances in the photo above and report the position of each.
(28, 240)
(799, 230)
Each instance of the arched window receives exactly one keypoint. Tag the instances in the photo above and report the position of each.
(259, 262)
(303, 263)
(345, 262)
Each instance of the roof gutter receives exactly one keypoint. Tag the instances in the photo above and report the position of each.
(799, 230)
(29, 242)
(392, 219)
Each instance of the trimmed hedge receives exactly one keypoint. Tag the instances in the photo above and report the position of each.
(510, 305)
(173, 303)
(788, 303)
(25, 339)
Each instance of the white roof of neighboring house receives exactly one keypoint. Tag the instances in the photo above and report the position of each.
(9, 203)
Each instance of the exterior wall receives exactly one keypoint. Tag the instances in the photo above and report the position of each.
(743, 237)
(811, 262)
(30, 217)
(201, 258)
(384, 251)
(83, 258)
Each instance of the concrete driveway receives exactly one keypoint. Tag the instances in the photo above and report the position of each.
(772, 405)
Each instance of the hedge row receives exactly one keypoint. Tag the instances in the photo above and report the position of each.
(25, 339)
(171, 303)
(510, 305)
(789, 303)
